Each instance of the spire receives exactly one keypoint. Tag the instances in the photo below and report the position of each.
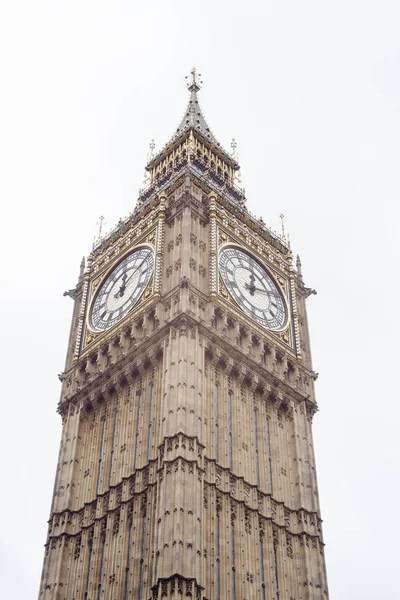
(298, 267)
(194, 120)
(81, 269)
(193, 116)
(197, 150)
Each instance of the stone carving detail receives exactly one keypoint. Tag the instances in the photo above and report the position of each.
(218, 503)
(247, 520)
(90, 538)
(275, 536)
(289, 545)
(117, 519)
(233, 512)
(78, 543)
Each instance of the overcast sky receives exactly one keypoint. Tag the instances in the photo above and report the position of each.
(311, 92)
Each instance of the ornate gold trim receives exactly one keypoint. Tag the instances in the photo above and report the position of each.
(103, 277)
(278, 280)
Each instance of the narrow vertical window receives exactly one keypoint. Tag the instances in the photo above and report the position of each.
(230, 429)
(233, 560)
(262, 569)
(103, 430)
(276, 574)
(216, 407)
(139, 396)
(90, 544)
(113, 447)
(217, 563)
(143, 545)
(100, 586)
(269, 456)
(151, 399)
(128, 561)
(256, 445)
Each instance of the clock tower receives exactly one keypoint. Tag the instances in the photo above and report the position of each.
(186, 464)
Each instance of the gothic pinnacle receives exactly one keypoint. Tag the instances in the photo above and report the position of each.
(298, 267)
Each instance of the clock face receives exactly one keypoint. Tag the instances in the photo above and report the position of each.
(252, 288)
(121, 289)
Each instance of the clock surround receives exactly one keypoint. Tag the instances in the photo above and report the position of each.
(121, 289)
(253, 287)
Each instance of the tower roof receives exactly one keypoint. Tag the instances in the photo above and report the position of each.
(193, 119)
(193, 116)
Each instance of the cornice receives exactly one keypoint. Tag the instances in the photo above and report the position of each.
(276, 385)
(152, 346)
(138, 356)
(262, 504)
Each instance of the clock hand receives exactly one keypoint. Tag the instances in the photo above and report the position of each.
(251, 287)
(137, 269)
(126, 281)
(256, 289)
(123, 286)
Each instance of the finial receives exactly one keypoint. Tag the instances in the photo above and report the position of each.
(100, 224)
(282, 217)
(81, 269)
(235, 155)
(298, 267)
(152, 146)
(194, 86)
(234, 146)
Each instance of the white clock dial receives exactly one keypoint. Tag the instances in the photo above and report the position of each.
(253, 288)
(121, 289)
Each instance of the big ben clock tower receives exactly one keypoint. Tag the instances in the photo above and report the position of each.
(186, 465)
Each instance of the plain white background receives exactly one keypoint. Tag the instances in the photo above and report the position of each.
(311, 92)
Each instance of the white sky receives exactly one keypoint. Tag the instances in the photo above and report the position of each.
(311, 91)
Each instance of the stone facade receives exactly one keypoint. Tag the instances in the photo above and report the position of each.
(186, 464)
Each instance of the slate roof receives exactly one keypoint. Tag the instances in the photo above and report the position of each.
(193, 119)
(193, 116)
